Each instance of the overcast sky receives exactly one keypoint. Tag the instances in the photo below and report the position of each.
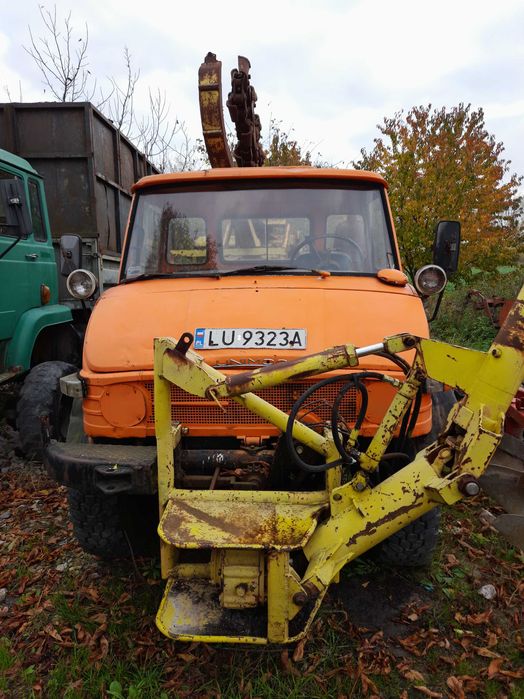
(330, 70)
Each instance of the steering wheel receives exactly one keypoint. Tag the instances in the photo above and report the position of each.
(330, 255)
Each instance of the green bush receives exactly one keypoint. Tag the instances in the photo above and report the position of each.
(459, 323)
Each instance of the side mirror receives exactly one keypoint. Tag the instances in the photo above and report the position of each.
(13, 194)
(70, 254)
(446, 247)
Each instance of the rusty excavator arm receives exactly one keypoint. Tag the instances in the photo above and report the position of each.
(241, 103)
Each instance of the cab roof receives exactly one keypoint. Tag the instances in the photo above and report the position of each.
(17, 162)
(259, 173)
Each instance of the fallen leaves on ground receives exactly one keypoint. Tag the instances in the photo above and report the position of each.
(61, 602)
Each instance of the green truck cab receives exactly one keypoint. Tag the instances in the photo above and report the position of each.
(34, 326)
(39, 339)
(59, 249)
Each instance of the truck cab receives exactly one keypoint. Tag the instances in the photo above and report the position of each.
(262, 266)
(29, 300)
(258, 266)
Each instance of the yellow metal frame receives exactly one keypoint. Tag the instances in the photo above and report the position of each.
(359, 515)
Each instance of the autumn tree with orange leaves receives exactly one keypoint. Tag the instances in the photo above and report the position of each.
(443, 164)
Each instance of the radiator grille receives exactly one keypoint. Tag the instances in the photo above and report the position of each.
(193, 410)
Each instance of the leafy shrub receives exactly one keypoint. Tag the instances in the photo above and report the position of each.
(459, 323)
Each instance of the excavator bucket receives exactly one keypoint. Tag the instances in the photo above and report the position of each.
(504, 482)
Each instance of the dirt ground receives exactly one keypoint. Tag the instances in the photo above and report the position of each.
(72, 626)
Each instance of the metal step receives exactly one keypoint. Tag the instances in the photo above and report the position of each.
(190, 611)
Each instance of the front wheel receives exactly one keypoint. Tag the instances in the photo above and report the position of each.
(114, 526)
(413, 546)
(41, 399)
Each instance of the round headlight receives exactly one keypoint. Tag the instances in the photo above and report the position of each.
(81, 284)
(430, 279)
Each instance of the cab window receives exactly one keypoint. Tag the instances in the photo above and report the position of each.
(250, 239)
(9, 222)
(39, 231)
(186, 241)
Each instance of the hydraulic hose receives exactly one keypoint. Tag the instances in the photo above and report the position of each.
(352, 381)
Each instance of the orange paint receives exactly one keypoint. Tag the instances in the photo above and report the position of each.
(334, 310)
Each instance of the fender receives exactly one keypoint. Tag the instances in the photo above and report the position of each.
(30, 324)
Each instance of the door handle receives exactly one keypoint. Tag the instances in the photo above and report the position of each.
(31, 256)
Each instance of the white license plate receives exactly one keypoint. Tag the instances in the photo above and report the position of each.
(249, 338)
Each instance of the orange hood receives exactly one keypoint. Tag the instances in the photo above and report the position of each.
(333, 310)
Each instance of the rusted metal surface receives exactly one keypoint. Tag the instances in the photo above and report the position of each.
(83, 159)
(514, 424)
(241, 103)
(496, 308)
(275, 522)
(193, 607)
(512, 332)
(341, 356)
(190, 523)
(226, 468)
(243, 579)
(211, 114)
(206, 460)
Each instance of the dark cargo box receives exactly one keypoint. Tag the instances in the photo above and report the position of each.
(88, 166)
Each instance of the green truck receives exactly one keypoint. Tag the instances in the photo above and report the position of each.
(57, 253)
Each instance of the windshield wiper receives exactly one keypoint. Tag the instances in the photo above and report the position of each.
(146, 275)
(256, 269)
(167, 275)
(264, 269)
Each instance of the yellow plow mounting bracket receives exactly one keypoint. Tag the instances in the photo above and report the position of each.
(253, 566)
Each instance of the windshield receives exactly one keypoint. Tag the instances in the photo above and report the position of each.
(231, 228)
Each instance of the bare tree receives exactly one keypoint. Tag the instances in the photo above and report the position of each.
(8, 93)
(62, 59)
(156, 132)
(121, 107)
(186, 153)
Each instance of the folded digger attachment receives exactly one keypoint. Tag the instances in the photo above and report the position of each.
(252, 566)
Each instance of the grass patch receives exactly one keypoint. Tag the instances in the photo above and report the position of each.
(76, 676)
(459, 323)
(7, 660)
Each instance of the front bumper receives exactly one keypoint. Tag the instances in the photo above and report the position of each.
(107, 468)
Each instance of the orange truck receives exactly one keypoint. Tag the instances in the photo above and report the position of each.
(260, 266)
(209, 409)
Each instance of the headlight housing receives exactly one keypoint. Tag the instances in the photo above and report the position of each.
(430, 279)
(81, 284)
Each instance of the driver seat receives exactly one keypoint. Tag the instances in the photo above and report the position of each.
(353, 229)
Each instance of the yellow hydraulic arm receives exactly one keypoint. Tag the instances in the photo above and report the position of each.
(248, 590)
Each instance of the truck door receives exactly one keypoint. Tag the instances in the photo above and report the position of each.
(27, 264)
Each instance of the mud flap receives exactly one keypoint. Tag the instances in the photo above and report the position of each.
(504, 482)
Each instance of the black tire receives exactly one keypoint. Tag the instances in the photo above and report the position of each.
(40, 398)
(114, 526)
(414, 545)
